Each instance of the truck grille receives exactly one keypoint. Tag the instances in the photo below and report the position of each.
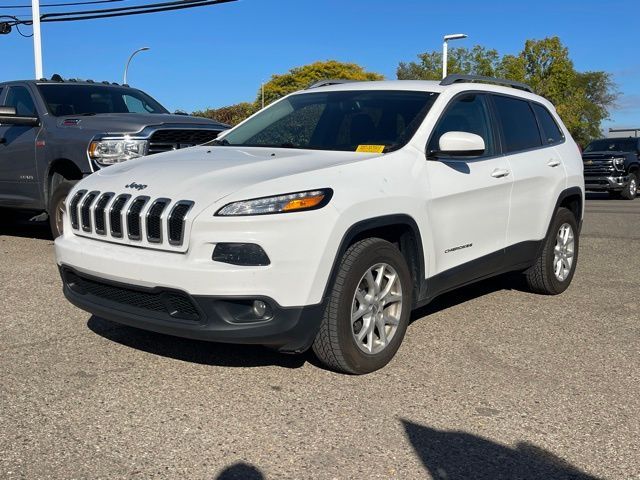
(167, 140)
(137, 219)
(598, 167)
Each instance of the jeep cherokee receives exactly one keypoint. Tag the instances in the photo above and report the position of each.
(323, 220)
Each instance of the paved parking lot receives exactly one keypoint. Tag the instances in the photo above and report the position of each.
(491, 382)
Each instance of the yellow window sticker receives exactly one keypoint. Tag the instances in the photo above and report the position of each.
(370, 148)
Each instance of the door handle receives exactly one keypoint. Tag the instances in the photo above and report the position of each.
(553, 162)
(500, 172)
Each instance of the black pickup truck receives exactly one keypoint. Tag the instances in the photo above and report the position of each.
(613, 165)
(54, 132)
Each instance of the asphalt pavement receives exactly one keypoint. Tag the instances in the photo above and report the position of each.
(491, 382)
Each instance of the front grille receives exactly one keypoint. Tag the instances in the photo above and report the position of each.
(141, 217)
(133, 218)
(73, 207)
(85, 211)
(115, 215)
(599, 167)
(99, 213)
(177, 219)
(174, 139)
(174, 304)
(154, 221)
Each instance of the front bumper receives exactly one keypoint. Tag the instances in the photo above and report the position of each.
(614, 183)
(210, 318)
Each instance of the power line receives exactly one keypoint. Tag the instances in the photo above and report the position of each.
(7, 7)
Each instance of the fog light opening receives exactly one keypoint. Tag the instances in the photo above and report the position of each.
(259, 308)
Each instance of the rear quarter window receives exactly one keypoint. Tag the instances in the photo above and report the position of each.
(519, 125)
(551, 133)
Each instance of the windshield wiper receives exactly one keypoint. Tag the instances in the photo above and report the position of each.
(221, 141)
(88, 114)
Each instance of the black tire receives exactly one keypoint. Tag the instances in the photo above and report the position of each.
(60, 190)
(541, 277)
(335, 345)
(631, 190)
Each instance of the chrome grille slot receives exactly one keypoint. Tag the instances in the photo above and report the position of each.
(73, 208)
(85, 211)
(134, 220)
(154, 220)
(176, 221)
(115, 215)
(99, 217)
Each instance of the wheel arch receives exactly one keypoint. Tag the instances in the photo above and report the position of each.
(67, 169)
(399, 229)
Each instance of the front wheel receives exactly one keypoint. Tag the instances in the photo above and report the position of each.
(554, 269)
(56, 206)
(368, 310)
(631, 190)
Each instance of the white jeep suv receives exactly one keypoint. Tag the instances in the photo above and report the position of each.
(326, 218)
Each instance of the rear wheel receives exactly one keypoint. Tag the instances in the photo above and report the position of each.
(56, 205)
(554, 269)
(368, 309)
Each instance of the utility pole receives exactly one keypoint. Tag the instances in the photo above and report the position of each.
(37, 39)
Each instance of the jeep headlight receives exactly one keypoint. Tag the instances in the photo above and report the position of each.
(290, 202)
(108, 151)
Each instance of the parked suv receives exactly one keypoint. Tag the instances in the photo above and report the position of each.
(53, 133)
(325, 219)
(613, 165)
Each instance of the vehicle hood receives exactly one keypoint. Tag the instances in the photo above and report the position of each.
(207, 174)
(132, 122)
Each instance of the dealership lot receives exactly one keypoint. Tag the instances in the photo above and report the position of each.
(491, 382)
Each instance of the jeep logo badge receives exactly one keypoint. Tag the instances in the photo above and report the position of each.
(135, 185)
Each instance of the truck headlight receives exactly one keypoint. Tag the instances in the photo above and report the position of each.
(290, 202)
(618, 162)
(116, 150)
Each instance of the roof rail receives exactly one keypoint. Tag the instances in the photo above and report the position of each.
(327, 82)
(457, 78)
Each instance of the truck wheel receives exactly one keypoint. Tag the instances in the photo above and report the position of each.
(631, 190)
(368, 309)
(554, 268)
(56, 206)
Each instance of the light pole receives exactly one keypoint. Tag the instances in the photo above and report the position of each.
(445, 49)
(37, 39)
(126, 69)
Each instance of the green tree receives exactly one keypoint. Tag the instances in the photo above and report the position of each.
(582, 99)
(231, 115)
(301, 77)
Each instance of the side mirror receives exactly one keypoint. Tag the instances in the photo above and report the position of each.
(459, 144)
(9, 116)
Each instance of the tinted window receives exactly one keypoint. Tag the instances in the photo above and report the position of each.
(20, 98)
(467, 113)
(550, 131)
(66, 99)
(518, 124)
(613, 145)
(336, 121)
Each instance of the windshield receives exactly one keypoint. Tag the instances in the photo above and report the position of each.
(68, 99)
(612, 145)
(372, 121)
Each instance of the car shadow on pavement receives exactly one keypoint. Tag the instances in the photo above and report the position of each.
(240, 471)
(193, 351)
(507, 281)
(455, 455)
(19, 224)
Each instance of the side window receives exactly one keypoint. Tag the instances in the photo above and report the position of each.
(518, 124)
(551, 133)
(20, 98)
(467, 113)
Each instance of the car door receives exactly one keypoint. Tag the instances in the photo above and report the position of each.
(18, 175)
(469, 197)
(529, 138)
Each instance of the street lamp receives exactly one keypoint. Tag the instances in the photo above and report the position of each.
(445, 49)
(126, 69)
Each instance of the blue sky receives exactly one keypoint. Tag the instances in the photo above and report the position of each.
(215, 56)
